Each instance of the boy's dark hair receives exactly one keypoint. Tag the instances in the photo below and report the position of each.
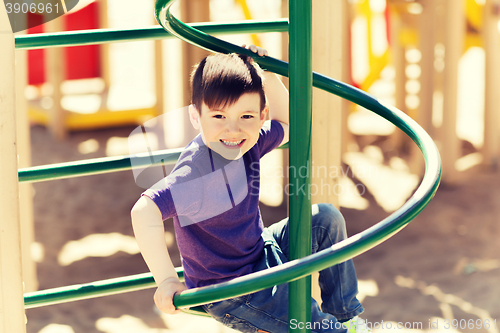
(220, 80)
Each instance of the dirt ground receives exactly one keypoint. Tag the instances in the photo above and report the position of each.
(440, 272)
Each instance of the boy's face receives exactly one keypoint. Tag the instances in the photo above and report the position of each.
(233, 130)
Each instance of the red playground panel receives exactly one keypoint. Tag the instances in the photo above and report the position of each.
(36, 58)
(81, 61)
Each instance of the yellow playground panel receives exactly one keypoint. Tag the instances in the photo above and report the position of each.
(370, 29)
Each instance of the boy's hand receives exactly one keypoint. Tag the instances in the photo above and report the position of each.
(255, 49)
(164, 295)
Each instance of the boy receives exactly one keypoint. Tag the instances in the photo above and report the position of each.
(213, 193)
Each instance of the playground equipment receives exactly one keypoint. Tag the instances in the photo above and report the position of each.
(55, 66)
(81, 62)
(370, 41)
(248, 16)
(443, 32)
(85, 62)
(300, 93)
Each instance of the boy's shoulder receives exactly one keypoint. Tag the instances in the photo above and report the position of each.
(271, 136)
(193, 150)
(267, 126)
(195, 154)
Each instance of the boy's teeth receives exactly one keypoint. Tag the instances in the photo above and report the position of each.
(232, 143)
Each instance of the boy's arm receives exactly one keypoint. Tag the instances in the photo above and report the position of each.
(277, 100)
(276, 94)
(149, 233)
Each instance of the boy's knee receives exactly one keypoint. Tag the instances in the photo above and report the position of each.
(327, 224)
(329, 214)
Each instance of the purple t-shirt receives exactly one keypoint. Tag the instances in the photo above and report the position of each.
(214, 203)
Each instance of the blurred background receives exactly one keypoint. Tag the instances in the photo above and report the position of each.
(436, 60)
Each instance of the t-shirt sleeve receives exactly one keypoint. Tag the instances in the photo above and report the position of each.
(270, 137)
(178, 193)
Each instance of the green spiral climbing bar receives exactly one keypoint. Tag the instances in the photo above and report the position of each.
(348, 248)
(92, 290)
(101, 36)
(293, 270)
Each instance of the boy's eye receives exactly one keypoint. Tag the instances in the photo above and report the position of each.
(247, 116)
(218, 116)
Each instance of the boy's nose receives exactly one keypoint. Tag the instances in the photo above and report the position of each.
(232, 127)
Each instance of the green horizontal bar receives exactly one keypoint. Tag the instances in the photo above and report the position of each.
(101, 36)
(97, 166)
(92, 290)
(101, 165)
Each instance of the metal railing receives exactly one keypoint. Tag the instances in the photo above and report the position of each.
(101, 165)
(290, 271)
(101, 36)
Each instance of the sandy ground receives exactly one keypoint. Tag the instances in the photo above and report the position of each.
(444, 266)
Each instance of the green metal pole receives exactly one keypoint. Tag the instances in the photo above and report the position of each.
(300, 16)
(101, 165)
(101, 36)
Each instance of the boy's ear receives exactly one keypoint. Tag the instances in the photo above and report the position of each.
(263, 116)
(194, 117)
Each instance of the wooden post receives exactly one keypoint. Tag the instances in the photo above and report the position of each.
(284, 38)
(104, 48)
(25, 189)
(286, 82)
(426, 41)
(11, 288)
(346, 135)
(453, 43)
(329, 42)
(55, 74)
(158, 49)
(427, 28)
(192, 11)
(399, 61)
(329, 24)
(491, 38)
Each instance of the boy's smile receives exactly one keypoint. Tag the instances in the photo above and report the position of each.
(232, 144)
(231, 131)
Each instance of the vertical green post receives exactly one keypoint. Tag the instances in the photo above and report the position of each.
(300, 16)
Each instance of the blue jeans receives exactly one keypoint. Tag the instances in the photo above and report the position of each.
(267, 310)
